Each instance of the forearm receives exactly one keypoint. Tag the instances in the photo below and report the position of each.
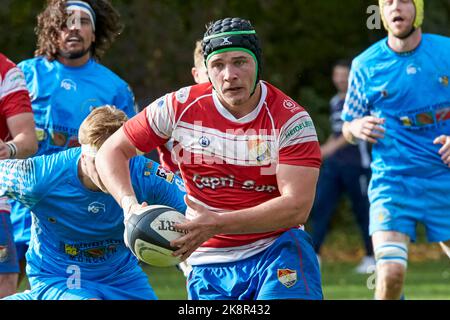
(112, 164)
(26, 145)
(281, 212)
(347, 134)
(24, 141)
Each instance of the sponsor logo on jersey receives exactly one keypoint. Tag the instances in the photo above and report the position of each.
(424, 118)
(68, 85)
(443, 114)
(183, 94)
(73, 142)
(287, 277)
(148, 169)
(299, 127)
(406, 121)
(165, 174)
(258, 150)
(3, 253)
(291, 106)
(412, 69)
(444, 81)
(58, 139)
(94, 252)
(41, 134)
(96, 207)
(204, 142)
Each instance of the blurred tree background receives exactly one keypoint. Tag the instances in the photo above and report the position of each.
(301, 40)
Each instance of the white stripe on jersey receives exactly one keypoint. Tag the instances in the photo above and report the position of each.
(238, 148)
(298, 129)
(4, 205)
(208, 255)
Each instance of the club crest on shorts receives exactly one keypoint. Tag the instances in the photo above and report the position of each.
(287, 277)
(3, 253)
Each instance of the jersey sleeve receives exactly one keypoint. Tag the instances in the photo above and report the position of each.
(356, 104)
(298, 143)
(153, 126)
(125, 101)
(20, 180)
(14, 97)
(156, 185)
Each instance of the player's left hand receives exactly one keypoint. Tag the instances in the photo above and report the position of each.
(204, 226)
(445, 150)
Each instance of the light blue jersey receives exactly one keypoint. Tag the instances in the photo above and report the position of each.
(61, 98)
(411, 91)
(78, 231)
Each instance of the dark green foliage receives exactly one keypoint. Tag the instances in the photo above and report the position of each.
(301, 40)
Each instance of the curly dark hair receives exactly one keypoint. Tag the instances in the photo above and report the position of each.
(54, 17)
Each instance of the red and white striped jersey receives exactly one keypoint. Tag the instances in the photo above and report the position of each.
(14, 98)
(227, 163)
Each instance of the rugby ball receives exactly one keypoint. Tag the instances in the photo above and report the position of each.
(148, 233)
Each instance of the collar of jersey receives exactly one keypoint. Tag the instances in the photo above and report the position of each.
(247, 118)
(69, 68)
(403, 54)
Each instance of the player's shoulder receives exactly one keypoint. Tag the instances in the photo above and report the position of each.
(436, 42)
(281, 107)
(107, 74)
(7, 67)
(186, 97)
(62, 158)
(36, 63)
(370, 56)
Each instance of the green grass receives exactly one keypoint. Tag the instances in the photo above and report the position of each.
(428, 280)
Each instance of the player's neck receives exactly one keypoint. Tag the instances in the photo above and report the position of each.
(74, 62)
(241, 110)
(405, 45)
(85, 180)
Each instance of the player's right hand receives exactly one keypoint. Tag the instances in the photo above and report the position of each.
(368, 128)
(444, 152)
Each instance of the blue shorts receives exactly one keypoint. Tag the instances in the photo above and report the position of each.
(59, 288)
(21, 221)
(399, 203)
(288, 269)
(8, 254)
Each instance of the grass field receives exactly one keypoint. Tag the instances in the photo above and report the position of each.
(426, 280)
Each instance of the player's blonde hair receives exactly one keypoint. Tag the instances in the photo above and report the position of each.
(100, 124)
(198, 54)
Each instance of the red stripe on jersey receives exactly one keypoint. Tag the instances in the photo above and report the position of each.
(225, 163)
(138, 131)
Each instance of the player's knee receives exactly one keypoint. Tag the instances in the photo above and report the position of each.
(8, 284)
(392, 259)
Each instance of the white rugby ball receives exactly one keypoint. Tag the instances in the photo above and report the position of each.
(148, 233)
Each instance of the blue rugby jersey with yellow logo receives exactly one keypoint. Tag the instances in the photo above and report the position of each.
(73, 225)
(412, 92)
(61, 98)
